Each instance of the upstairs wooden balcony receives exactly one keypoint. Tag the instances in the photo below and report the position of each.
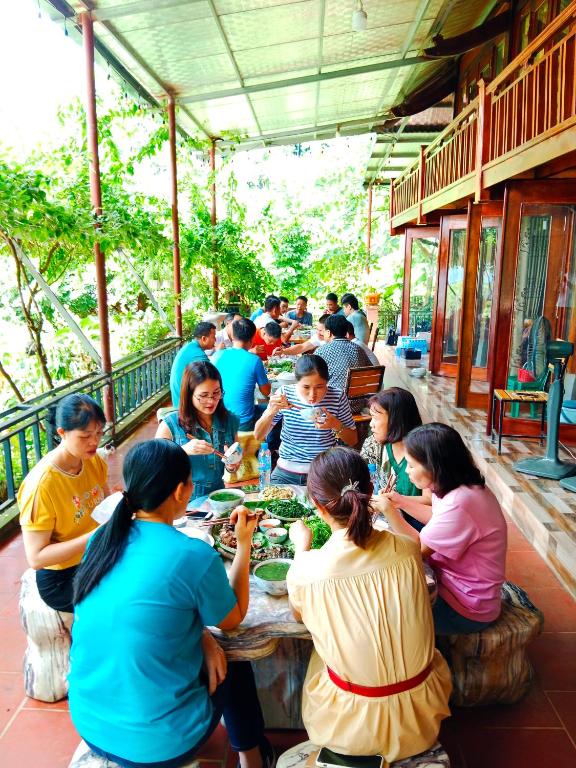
(522, 119)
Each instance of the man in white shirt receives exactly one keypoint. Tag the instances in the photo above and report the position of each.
(224, 335)
(315, 341)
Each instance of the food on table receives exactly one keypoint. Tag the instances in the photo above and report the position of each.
(277, 492)
(277, 535)
(250, 488)
(287, 509)
(262, 549)
(321, 531)
(224, 496)
(280, 365)
(269, 522)
(273, 571)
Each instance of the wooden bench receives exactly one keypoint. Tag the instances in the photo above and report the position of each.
(491, 666)
(47, 655)
(304, 756)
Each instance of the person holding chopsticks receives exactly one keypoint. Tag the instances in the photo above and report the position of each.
(202, 426)
(314, 417)
(394, 414)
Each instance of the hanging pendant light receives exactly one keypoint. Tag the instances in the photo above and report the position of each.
(359, 18)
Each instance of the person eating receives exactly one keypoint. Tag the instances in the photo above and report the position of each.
(202, 426)
(314, 417)
(301, 314)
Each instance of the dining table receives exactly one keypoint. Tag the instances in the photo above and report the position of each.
(278, 646)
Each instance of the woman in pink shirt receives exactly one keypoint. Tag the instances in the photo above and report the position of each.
(464, 536)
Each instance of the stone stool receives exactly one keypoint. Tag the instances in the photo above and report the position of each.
(47, 655)
(491, 666)
(83, 757)
(304, 756)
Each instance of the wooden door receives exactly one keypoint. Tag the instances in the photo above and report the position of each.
(420, 265)
(479, 312)
(449, 294)
(537, 273)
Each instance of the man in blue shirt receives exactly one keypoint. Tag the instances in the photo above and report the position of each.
(300, 313)
(194, 351)
(241, 371)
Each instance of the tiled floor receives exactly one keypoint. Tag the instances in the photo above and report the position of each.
(539, 731)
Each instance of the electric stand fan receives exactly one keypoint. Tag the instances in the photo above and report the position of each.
(542, 352)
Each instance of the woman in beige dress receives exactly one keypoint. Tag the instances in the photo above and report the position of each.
(375, 683)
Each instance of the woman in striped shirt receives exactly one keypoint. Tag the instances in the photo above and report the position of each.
(314, 417)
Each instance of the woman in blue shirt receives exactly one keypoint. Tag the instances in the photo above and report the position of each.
(148, 683)
(202, 425)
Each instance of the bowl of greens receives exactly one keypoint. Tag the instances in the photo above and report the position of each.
(271, 575)
(321, 531)
(287, 510)
(224, 500)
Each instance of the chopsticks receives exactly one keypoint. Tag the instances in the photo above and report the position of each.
(391, 482)
(221, 520)
(221, 455)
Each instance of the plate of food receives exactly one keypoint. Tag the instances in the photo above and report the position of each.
(273, 492)
(287, 510)
(262, 547)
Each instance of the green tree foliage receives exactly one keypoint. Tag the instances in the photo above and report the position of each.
(291, 249)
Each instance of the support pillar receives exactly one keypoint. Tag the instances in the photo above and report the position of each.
(96, 200)
(175, 219)
(369, 230)
(215, 281)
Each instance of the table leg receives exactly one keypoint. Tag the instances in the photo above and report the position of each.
(492, 419)
(542, 420)
(500, 421)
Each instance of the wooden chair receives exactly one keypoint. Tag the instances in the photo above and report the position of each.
(370, 327)
(363, 383)
(376, 332)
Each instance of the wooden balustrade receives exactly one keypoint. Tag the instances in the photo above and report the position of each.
(532, 99)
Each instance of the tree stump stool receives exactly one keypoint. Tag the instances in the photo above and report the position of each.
(304, 756)
(47, 655)
(491, 666)
(83, 757)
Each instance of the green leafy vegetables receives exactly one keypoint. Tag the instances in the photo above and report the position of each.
(287, 508)
(321, 531)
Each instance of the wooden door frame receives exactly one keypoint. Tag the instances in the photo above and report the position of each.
(447, 224)
(477, 214)
(411, 234)
(517, 193)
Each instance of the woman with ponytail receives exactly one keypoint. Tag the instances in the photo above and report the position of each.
(148, 683)
(375, 683)
(57, 497)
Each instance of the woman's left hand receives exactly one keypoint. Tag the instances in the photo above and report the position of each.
(394, 498)
(327, 421)
(215, 661)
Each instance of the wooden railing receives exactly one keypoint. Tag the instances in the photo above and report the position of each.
(533, 98)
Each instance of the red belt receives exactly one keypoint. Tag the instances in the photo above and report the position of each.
(380, 690)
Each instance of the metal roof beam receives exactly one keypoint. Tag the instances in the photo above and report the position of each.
(303, 80)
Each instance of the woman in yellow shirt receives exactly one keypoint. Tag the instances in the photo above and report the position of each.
(57, 497)
(375, 683)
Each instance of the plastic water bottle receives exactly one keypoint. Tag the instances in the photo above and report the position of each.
(374, 477)
(264, 466)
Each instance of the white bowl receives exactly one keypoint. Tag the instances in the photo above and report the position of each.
(276, 535)
(272, 587)
(195, 533)
(268, 523)
(221, 507)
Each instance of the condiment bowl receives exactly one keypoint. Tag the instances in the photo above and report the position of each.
(223, 505)
(275, 587)
(268, 523)
(276, 535)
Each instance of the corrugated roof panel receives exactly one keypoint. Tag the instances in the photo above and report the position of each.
(272, 26)
(153, 17)
(286, 59)
(380, 14)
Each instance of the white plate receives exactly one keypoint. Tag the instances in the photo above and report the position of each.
(195, 533)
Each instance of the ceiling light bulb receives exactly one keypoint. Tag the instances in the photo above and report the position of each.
(359, 18)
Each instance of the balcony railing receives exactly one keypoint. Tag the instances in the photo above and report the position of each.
(530, 101)
(26, 434)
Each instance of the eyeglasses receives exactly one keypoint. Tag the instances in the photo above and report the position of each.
(205, 397)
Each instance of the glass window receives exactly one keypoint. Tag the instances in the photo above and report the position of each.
(422, 283)
(454, 287)
(499, 52)
(484, 293)
(524, 35)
